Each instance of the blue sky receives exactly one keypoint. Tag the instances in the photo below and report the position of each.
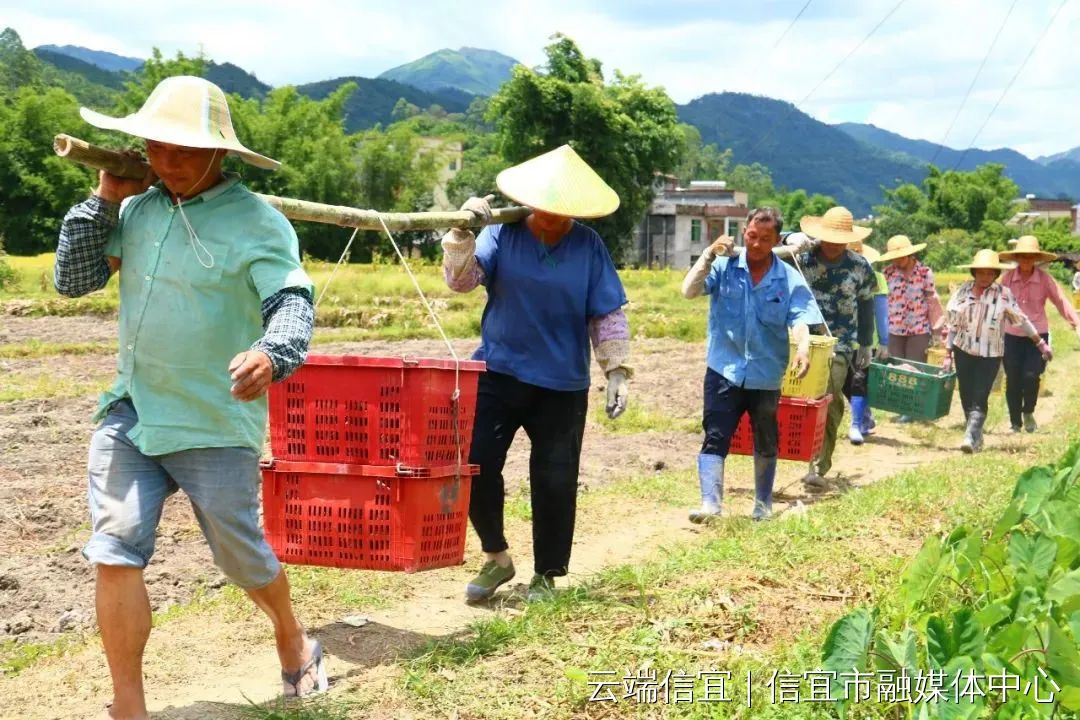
(909, 78)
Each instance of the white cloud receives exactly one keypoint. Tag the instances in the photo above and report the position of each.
(908, 78)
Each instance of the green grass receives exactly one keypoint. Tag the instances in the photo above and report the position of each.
(662, 613)
(39, 349)
(42, 386)
(638, 418)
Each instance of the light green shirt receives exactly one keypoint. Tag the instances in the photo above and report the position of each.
(182, 323)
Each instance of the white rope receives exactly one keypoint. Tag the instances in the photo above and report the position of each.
(795, 259)
(435, 319)
(344, 254)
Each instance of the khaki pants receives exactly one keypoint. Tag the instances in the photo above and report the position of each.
(837, 378)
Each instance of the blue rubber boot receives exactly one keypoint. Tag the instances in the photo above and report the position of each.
(858, 408)
(764, 477)
(711, 479)
(868, 423)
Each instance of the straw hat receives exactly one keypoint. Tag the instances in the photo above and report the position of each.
(866, 251)
(1028, 245)
(561, 183)
(899, 246)
(186, 111)
(987, 260)
(836, 226)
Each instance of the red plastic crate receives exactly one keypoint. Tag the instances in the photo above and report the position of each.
(372, 517)
(373, 411)
(801, 424)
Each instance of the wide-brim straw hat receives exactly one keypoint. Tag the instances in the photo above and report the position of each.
(186, 111)
(866, 251)
(561, 183)
(987, 260)
(899, 246)
(1028, 245)
(836, 226)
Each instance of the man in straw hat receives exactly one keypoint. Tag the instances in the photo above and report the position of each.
(915, 310)
(1032, 287)
(844, 285)
(214, 306)
(551, 290)
(976, 317)
(753, 299)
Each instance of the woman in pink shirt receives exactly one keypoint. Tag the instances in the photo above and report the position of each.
(1032, 286)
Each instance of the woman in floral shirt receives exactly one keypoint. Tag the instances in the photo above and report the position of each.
(978, 313)
(914, 306)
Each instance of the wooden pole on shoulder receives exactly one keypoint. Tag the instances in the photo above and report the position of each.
(125, 166)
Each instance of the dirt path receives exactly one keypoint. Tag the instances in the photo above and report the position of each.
(231, 655)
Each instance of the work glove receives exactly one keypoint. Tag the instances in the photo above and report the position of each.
(882, 353)
(723, 246)
(479, 207)
(862, 357)
(617, 392)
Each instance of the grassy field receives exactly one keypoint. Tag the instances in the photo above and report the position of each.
(367, 302)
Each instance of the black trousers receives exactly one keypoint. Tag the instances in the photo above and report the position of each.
(724, 407)
(1024, 367)
(975, 376)
(555, 424)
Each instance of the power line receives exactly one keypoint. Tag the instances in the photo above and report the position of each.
(974, 80)
(1008, 87)
(791, 24)
(828, 75)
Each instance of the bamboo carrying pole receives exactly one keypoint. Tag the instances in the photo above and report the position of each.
(125, 166)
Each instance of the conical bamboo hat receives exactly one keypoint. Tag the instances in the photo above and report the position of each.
(561, 183)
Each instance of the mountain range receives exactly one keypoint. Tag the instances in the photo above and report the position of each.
(852, 162)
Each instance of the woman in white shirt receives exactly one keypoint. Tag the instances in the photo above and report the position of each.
(976, 318)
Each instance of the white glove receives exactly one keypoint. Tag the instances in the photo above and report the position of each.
(617, 392)
(862, 358)
(882, 353)
(479, 207)
(723, 246)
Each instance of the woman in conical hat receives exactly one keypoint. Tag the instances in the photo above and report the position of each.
(976, 317)
(915, 310)
(552, 289)
(1032, 287)
(214, 306)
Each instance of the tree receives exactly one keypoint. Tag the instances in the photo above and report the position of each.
(153, 71)
(318, 158)
(794, 205)
(975, 203)
(403, 110)
(19, 67)
(37, 187)
(626, 131)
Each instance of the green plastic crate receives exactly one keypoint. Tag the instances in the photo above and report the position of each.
(925, 393)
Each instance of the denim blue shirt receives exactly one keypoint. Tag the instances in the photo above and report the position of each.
(748, 324)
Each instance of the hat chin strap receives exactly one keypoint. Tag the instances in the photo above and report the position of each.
(196, 244)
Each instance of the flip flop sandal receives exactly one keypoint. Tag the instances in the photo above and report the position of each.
(290, 681)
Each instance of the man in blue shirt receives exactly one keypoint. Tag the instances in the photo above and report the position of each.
(754, 299)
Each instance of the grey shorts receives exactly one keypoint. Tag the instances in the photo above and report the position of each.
(127, 491)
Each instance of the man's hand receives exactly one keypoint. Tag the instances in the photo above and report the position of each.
(479, 207)
(882, 353)
(116, 189)
(723, 246)
(862, 357)
(801, 363)
(251, 372)
(617, 392)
